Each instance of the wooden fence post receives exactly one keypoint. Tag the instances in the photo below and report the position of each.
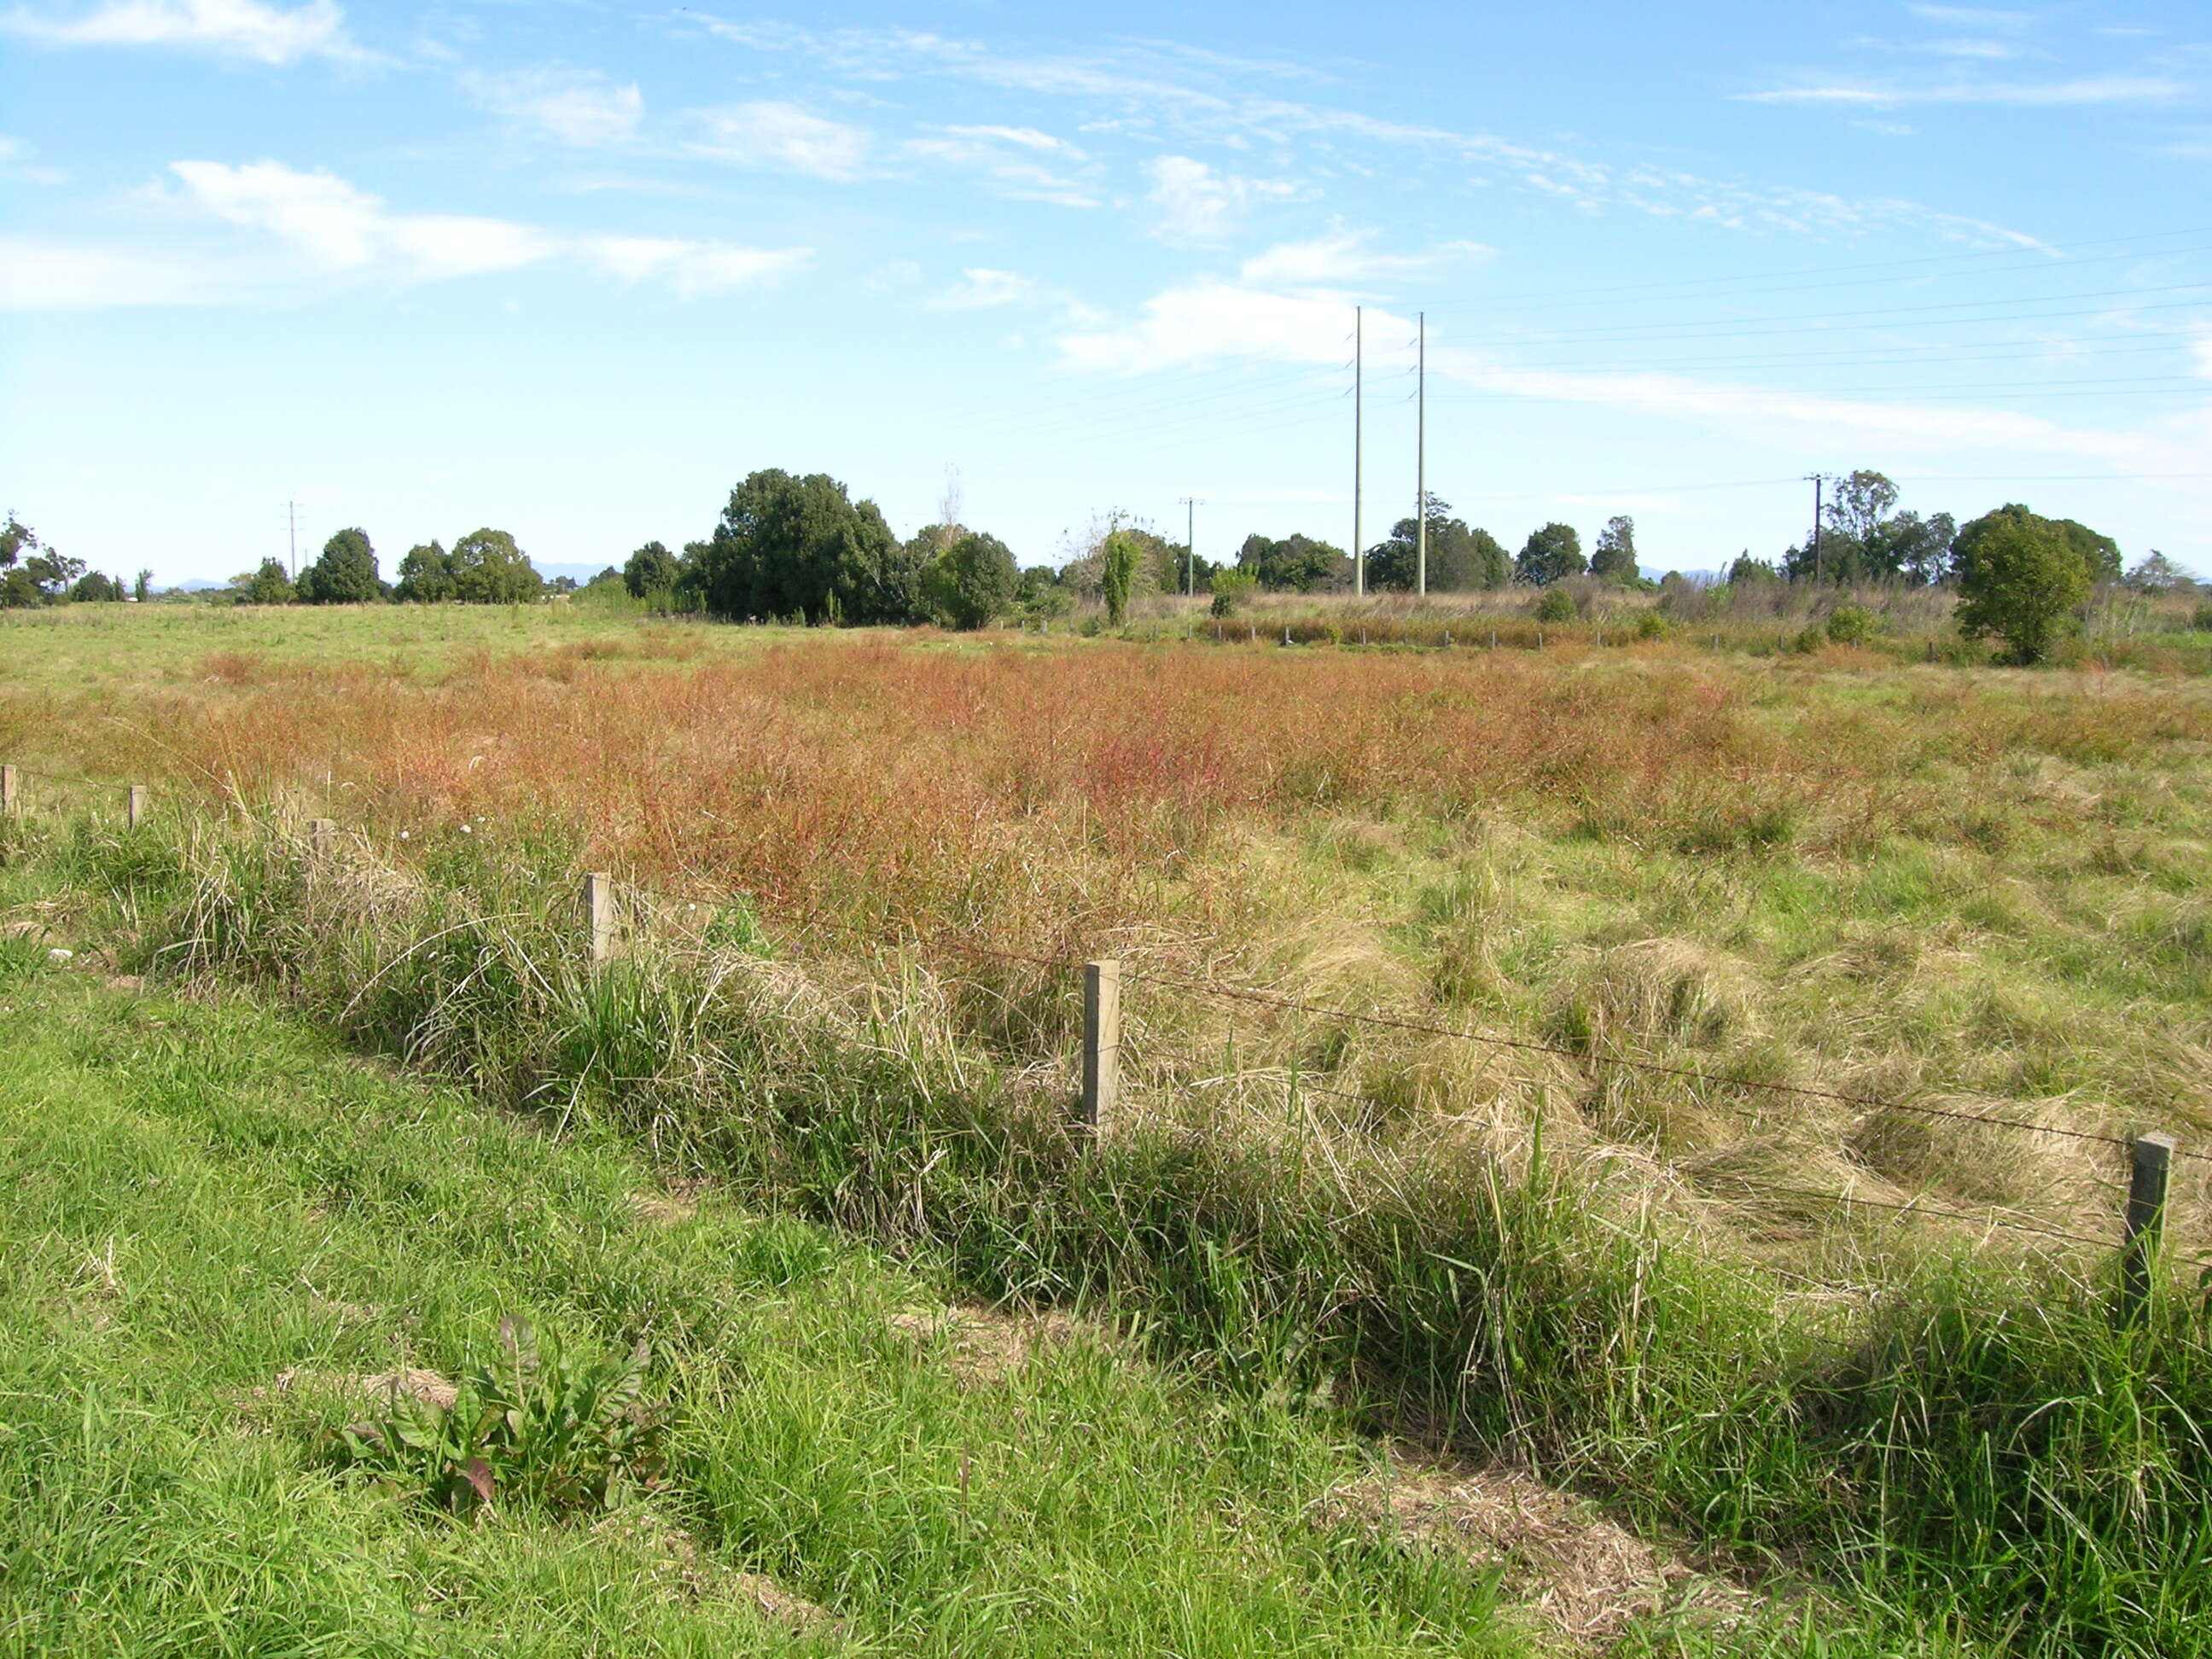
(9, 803)
(322, 833)
(1102, 1045)
(2152, 1161)
(134, 805)
(600, 914)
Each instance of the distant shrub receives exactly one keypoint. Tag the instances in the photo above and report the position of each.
(1651, 626)
(2202, 621)
(1850, 624)
(1556, 606)
(1810, 638)
(1232, 588)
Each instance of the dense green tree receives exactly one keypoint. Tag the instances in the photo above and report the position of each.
(2099, 555)
(1461, 560)
(1910, 547)
(973, 582)
(270, 585)
(1121, 557)
(95, 589)
(345, 574)
(31, 571)
(488, 569)
(800, 546)
(142, 589)
(1550, 555)
(1859, 505)
(1295, 564)
(2019, 578)
(1614, 560)
(652, 570)
(1746, 571)
(15, 536)
(426, 575)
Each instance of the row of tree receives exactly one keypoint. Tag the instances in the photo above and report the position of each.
(484, 567)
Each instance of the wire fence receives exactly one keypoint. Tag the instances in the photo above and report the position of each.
(14, 780)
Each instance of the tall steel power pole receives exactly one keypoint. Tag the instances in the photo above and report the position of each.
(1359, 417)
(1190, 548)
(1818, 480)
(292, 525)
(1421, 463)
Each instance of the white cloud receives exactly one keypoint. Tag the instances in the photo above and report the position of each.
(583, 108)
(1011, 159)
(1346, 256)
(2200, 349)
(16, 163)
(43, 276)
(336, 227)
(239, 28)
(784, 135)
(1974, 17)
(2097, 89)
(980, 287)
(1195, 204)
(1212, 321)
(692, 269)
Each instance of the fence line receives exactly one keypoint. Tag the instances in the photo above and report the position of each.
(1102, 1046)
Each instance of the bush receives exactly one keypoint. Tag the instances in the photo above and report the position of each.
(1651, 626)
(1556, 606)
(2202, 621)
(2018, 579)
(1232, 588)
(1850, 624)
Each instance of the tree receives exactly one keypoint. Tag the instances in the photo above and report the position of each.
(13, 538)
(267, 586)
(1913, 547)
(800, 546)
(426, 575)
(344, 574)
(1461, 559)
(1748, 572)
(1859, 506)
(1295, 564)
(1550, 555)
(1120, 559)
(2156, 573)
(488, 569)
(2099, 554)
(972, 582)
(1614, 559)
(142, 589)
(2019, 577)
(94, 588)
(652, 570)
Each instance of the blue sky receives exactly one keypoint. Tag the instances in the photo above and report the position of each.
(572, 269)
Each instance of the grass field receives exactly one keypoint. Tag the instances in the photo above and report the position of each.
(216, 1227)
(1967, 889)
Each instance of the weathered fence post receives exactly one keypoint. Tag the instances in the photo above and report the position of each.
(1286, 633)
(1448, 639)
(1493, 638)
(134, 805)
(322, 833)
(1539, 639)
(1102, 1045)
(600, 914)
(2152, 1158)
(9, 803)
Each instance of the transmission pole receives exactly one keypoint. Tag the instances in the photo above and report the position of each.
(1818, 481)
(1358, 418)
(1190, 548)
(1421, 463)
(292, 523)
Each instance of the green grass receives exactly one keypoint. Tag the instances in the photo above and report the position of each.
(1977, 1460)
(197, 1199)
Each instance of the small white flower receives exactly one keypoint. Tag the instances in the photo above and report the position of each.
(464, 829)
(403, 835)
(59, 955)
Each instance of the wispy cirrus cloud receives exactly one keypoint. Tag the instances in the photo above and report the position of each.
(232, 28)
(982, 288)
(1019, 162)
(582, 108)
(2093, 89)
(782, 136)
(1193, 204)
